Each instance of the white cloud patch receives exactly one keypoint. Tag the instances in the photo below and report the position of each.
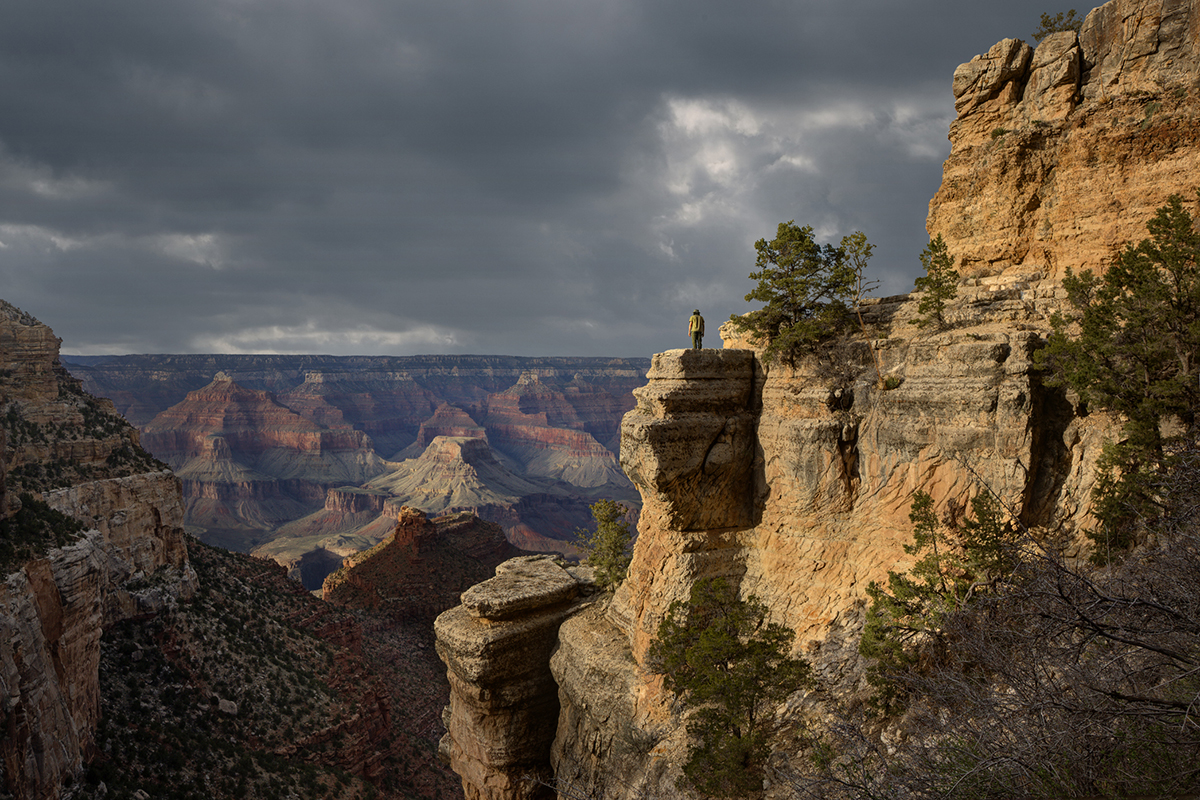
(205, 249)
(313, 337)
(36, 237)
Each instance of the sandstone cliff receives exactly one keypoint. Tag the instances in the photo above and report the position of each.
(797, 483)
(1061, 153)
(72, 453)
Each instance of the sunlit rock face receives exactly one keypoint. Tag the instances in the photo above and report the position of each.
(1061, 153)
(70, 450)
(503, 708)
(797, 482)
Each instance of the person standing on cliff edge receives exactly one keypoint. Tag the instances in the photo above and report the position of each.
(696, 328)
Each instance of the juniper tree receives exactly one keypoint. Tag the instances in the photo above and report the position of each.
(718, 654)
(1137, 354)
(804, 287)
(608, 547)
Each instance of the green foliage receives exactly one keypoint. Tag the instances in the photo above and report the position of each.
(720, 657)
(608, 548)
(804, 287)
(33, 531)
(1137, 354)
(1058, 23)
(954, 563)
(939, 283)
(858, 252)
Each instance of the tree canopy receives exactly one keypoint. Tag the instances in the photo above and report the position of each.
(1058, 23)
(1137, 353)
(717, 653)
(608, 547)
(804, 287)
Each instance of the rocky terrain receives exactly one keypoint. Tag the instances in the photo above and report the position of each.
(91, 534)
(422, 567)
(1061, 153)
(137, 662)
(796, 483)
(308, 459)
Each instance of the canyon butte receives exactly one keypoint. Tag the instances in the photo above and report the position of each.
(308, 459)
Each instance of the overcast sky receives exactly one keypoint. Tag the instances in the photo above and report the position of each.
(525, 177)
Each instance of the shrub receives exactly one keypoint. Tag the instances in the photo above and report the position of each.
(719, 656)
(608, 547)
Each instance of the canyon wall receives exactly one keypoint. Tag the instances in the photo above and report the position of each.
(73, 453)
(796, 483)
(261, 445)
(1060, 154)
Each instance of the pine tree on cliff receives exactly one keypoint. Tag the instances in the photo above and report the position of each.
(1137, 354)
(804, 287)
(939, 283)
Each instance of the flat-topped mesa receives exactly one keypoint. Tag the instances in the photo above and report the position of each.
(691, 437)
(1060, 154)
(503, 709)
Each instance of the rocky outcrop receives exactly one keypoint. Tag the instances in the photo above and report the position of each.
(422, 567)
(503, 698)
(71, 452)
(1060, 154)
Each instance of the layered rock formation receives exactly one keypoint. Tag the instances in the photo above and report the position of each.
(463, 474)
(537, 426)
(365, 389)
(422, 567)
(1061, 153)
(261, 448)
(248, 462)
(71, 452)
(503, 699)
(797, 483)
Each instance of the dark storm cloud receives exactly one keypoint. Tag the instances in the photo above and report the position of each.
(526, 177)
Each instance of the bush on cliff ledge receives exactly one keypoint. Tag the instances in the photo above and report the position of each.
(718, 655)
(804, 287)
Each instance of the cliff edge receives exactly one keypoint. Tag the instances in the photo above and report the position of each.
(796, 483)
(109, 546)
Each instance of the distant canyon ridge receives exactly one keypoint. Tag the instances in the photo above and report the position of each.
(307, 459)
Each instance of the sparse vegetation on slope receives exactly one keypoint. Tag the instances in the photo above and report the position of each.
(256, 689)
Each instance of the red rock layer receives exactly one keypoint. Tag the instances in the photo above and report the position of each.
(421, 569)
(449, 421)
(250, 422)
